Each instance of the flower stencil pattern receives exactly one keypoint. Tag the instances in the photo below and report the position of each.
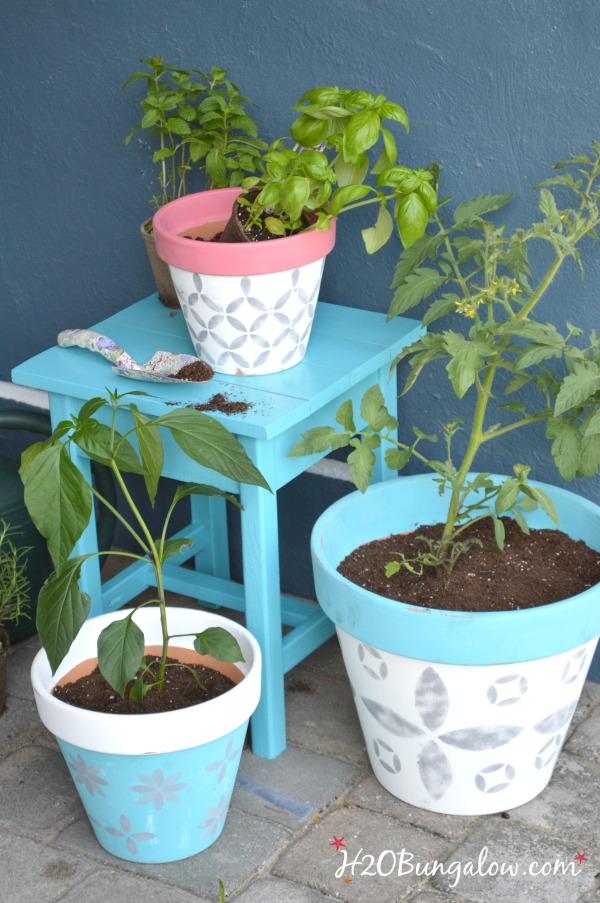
(432, 703)
(242, 330)
(125, 832)
(216, 818)
(230, 755)
(157, 789)
(87, 775)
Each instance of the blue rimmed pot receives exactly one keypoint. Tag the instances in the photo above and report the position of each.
(156, 788)
(462, 713)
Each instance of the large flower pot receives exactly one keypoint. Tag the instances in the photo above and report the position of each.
(462, 713)
(157, 787)
(248, 307)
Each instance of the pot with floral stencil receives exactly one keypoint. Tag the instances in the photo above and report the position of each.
(150, 705)
(465, 703)
(247, 262)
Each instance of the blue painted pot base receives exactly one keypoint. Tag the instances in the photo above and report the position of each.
(157, 808)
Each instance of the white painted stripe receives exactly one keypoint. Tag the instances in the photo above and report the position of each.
(36, 398)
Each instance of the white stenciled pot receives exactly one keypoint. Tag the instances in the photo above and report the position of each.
(248, 306)
(462, 713)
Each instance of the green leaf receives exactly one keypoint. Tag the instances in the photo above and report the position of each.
(319, 439)
(507, 496)
(151, 451)
(376, 236)
(566, 449)
(413, 257)
(57, 497)
(219, 643)
(475, 208)
(499, 532)
(374, 411)
(590, 456)
(187, 489)
(361, 462)
(397, 458)
(548, 208)
(361, 133)
(345, 416)
(415, 288)
(103, 445)
(593, 425)
(440, 308)
(412, 216)
(576, 389)
(211, 444)
(295, 192)
(172, 547)
(348, 194)
(467, 360)
(62, 610)
(120, 652)
(544, 500)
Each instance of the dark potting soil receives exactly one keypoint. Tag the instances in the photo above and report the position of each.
(219, 402)
(180, 691)
(542, 567)
(198, 372)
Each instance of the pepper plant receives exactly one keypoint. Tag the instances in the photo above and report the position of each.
(344, 157)
(60, 502)
(200, 123)
(475, 269)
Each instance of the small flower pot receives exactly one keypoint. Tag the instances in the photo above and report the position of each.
(462, 713)
(248, 307)
(156, 788)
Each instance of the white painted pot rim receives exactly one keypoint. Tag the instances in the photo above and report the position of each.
(153, 733)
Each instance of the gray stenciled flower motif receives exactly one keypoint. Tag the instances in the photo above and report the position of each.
(130, 839)
(230, 755)
(216, 818)
(87, 775)
(432, 702)
(553, 723)
(372, 661)
(388, 759)
(495, 778)
(549, 752)
(507, 690)
(574, 667)
(157, 789)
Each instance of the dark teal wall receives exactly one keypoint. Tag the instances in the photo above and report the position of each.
(496, 90)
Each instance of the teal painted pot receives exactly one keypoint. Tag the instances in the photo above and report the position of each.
(462, 713)
(156, 788)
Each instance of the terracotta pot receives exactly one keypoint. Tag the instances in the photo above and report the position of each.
(248, 306)
(160, 270)
(156, 787)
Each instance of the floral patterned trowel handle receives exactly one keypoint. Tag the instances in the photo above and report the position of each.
(163, 366)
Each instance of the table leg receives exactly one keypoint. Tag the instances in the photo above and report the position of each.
(213, 557)
(260, 543)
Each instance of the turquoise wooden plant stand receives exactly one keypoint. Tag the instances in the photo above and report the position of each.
(349, 351)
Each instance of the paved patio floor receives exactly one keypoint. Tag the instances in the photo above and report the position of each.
(278, 841)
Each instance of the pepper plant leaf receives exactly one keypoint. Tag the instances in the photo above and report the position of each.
(209, 443)
(57, 497)
(62, 610)
(120, 652)
(219, 643)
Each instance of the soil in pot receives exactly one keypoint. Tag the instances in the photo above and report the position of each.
(181, 690)
(235, 229)
(535, 569)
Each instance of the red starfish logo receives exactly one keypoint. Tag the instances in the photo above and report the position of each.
(337, 842)
(580, 857)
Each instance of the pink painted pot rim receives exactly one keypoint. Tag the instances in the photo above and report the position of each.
(244, 259)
